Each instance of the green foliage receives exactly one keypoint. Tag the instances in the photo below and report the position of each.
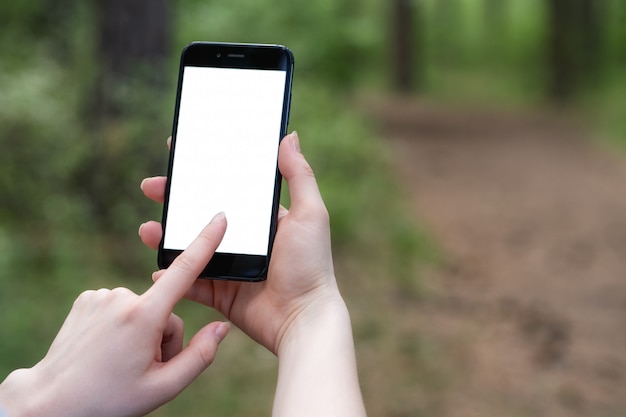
(333, 41)
(37, 131)
(474, 53)
(368, 218)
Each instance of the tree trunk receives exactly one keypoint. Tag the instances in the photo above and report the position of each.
(591, 51)
(133, 42)
(619, 9)
(575, 46)
(405, 75)
(561, 49)
(131, 50)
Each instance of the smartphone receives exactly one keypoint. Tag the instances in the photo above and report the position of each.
(232, 110)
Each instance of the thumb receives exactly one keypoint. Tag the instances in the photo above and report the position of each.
(184, 368)
(303, 190)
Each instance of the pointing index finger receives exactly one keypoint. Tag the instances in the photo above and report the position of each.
(183, 272)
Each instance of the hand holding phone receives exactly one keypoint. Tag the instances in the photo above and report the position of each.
(301, 280)
(232, 109)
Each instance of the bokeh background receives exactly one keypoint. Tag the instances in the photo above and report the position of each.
(471, 154)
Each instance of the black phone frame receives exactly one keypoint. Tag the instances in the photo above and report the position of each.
(232, 266)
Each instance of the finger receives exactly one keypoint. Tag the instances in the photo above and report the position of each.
(303, 191)
(186, 268)
(151, 233)
(157, 274)
(203, 291)
(172, 343)
(181, 370)
(154, 188)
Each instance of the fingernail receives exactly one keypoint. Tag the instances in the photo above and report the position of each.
(142, 183)
(218, 218)
(221, 331)
(140, 227)
(295, 141)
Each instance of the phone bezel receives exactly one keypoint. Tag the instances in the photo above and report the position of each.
(245, 56)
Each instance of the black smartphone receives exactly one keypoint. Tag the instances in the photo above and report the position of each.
(232, 110)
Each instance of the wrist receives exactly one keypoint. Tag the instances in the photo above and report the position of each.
(325, 318)
(20, 394)
(317, 373)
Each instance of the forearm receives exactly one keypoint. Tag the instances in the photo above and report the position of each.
(317, 373)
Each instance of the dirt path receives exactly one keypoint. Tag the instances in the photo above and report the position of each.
(530, 305)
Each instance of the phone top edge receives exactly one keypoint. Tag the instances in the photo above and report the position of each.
(237, 44)
(238, 55)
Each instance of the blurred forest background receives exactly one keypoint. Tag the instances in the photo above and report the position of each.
(404, 109)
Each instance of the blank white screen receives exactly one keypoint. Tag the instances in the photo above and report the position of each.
(225, 156)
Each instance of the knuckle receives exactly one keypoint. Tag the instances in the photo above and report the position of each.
(88, 296)
(131, 312)
(205, 358)
(84, 296)
(184, 263)
(127, 304)
(206, 237)
(308, 171)
(121, 292)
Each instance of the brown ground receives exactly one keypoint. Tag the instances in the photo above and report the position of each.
(529, 308)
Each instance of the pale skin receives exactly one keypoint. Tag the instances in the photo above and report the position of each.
(94, 366)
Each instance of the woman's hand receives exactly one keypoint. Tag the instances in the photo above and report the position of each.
(118, 353)
(301, 283)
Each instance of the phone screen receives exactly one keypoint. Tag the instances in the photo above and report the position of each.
(225, 156)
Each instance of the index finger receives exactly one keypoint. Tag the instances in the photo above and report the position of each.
(183, 272)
